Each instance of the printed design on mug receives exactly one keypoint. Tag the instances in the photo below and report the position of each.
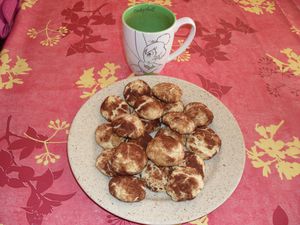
(153, 51)
(159, 2)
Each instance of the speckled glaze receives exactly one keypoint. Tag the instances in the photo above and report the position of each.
(223, 172)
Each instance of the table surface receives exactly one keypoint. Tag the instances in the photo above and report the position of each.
(59, 53)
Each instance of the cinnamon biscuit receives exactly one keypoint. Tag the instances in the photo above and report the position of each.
(167, 92)
(199, 113)
(128, 125)
(184, 183)
(168, 132)
(103, 162)
(204, 142)
(134, 89)
(105, 137)
(194, 161)
(173, 107)
(113, 107)
(128, 159)
(165, 151)
(127, 188)
(142, 140)
(148, 108)
(179, 122)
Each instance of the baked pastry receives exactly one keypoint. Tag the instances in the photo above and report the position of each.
(194, 161)
(155, 177)
(105, 137)
(151, 125)
(103, 162)
(165, 151)
(148, 108)
(142, 140)
(204, 142)
(128, 159)
(179, 122)
(199, 113)
(134, 90)
(168, 132)
(167, 92)
(128, 125)
(113, 107)
(184, 183)
(127, 188)
(173, 107)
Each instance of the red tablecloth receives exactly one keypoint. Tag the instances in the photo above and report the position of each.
(246, 52)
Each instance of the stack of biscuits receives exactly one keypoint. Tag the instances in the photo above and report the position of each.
(151, 139)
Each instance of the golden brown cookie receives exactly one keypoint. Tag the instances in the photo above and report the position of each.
(167, 92)
(179, 122)
(105, 137)
(194, 161)
(165, 151)
(128, 159)
(113, 107)
(173, 107)
(128, 125)
(127, 188)
(199, 113)
(204, 142)
(148, 108)
(142, 140)
(103, 162)
(155, 177)
(168, 132)
(151, 125)
(134, 90)
(184, 183)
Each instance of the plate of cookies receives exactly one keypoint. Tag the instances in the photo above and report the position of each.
(156, 150)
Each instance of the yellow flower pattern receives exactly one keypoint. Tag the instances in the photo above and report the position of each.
(292, 64)
(268, 151)
(201, 221)
(91, 82)
(296, 30)
(9, 73)
(159, 2)
(185, 56)
(257, 6)
(52, 35)
(25, 4)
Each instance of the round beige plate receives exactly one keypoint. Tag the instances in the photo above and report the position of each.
(224, 171)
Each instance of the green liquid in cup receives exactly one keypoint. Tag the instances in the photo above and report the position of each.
(149, 18)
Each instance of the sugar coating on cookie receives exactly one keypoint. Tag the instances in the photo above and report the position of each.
(168, 132)
(199, 113)
(103, 162)
(128, 125)
(113, 107)
(173, 107)
(165, 151)
(134, 89)
(179, 122)
(194, 161)
(204, 142)
(105, 137)
(128, 159)
(155, 177)
(148, 108)
(184, 183)
(127, 188)
(167, 92)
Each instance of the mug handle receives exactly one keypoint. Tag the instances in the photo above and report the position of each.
(188, 41)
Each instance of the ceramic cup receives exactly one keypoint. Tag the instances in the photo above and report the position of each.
(148, 33)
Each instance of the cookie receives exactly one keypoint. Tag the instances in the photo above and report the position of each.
(194, 161)
(134, 89)
(173, 107)
(128, 159)
(142, 140)
(155, 177)
(165, 151)
(128, 125)
(184, 183)
(103, 162)
(167, 92)
(127, 188)
(113, 107)
(151, 125)
(105, 137)
(204, 142)
(179, 122)
(148, 108)
(168, 132)
(199, 113)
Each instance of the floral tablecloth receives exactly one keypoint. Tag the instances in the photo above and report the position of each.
(59, 53)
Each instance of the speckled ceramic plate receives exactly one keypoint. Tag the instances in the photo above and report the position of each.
(224, 171)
